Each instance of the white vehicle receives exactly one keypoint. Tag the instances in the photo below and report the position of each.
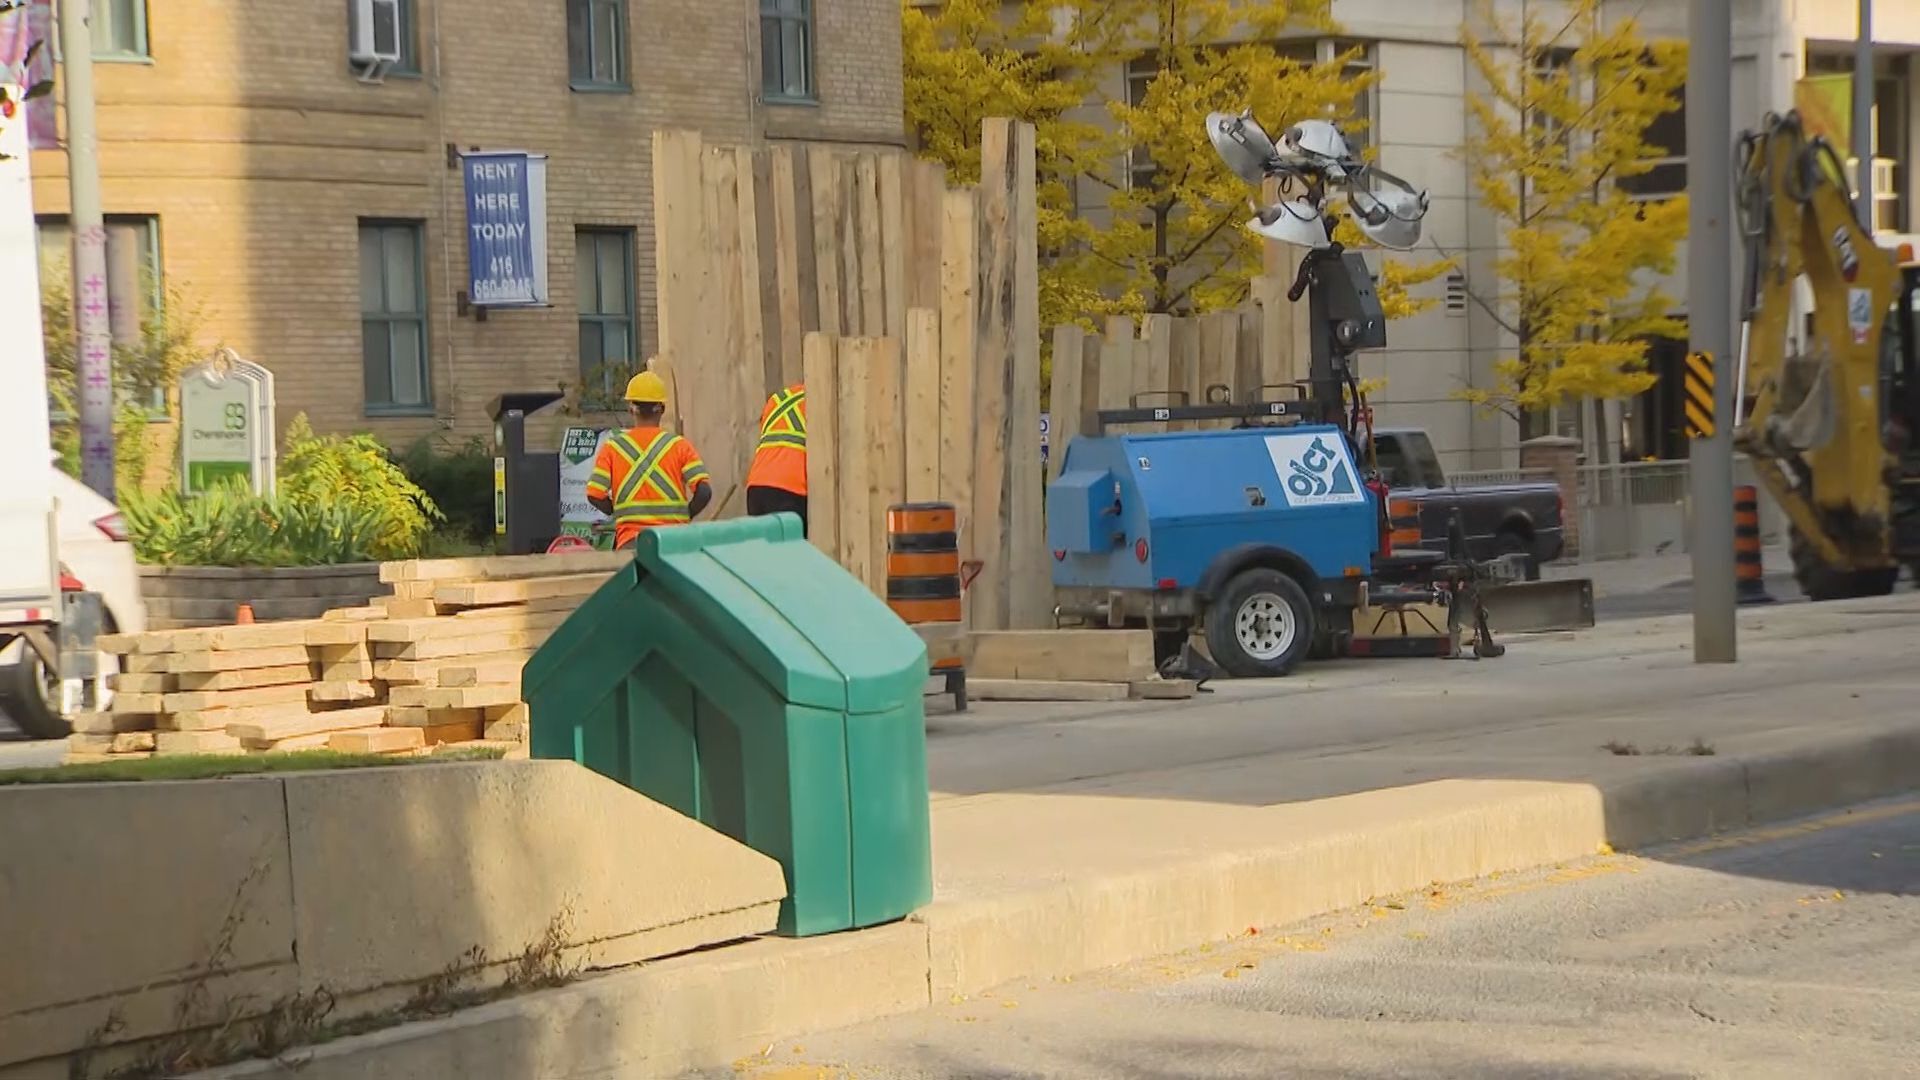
(49, 615)
(94, 557)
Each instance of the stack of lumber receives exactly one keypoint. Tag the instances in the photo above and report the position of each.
(911, 312)
(436, 663)
(1068, 665)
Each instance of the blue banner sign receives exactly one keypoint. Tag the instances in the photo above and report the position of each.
(506, 229)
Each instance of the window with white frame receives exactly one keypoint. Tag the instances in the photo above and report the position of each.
(603, 264)
(786, 50)
(393, 317)
(119, 29)
(597, 44)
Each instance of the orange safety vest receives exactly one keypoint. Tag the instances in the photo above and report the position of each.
(650, 492)
(780, 459)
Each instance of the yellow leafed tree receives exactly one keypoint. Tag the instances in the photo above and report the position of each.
(1166, 231)
(1562, 123)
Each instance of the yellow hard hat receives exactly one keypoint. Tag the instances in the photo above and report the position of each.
(646, 388)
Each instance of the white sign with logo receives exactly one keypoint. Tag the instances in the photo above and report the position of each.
(227, 424)
(1315, 469)
(578, 449)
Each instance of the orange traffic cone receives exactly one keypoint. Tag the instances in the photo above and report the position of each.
(243, 615)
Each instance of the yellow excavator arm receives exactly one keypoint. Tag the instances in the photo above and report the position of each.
(1815, 425)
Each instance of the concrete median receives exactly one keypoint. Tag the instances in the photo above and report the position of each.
(1187, 873)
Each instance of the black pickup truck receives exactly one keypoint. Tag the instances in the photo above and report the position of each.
(1500, 519)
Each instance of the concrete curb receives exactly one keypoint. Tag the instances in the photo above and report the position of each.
(707, 1008)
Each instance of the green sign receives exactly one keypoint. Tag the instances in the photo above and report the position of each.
(226, 424)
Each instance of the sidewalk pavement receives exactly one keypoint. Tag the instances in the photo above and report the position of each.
(1072, 839)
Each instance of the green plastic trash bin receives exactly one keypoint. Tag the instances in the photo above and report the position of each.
(736, 674)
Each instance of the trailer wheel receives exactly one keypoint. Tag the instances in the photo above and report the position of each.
(1261, 625)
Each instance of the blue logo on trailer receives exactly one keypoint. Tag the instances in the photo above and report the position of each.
(506, 228)
(1315, 469)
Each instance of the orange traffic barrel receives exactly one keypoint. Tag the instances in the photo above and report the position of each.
(1748, 574)
(923, 562)
(1403, 524)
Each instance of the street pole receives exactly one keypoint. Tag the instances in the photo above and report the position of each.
(93, 328)
(1710, 318)
(1863, 114)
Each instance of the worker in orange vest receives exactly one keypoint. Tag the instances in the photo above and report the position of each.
(646, 477)
(777, 480)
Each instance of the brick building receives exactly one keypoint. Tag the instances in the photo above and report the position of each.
(315, 211)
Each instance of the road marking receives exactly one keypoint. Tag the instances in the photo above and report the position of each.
(1749, 837)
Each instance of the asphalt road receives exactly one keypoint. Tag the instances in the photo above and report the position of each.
(1789, 952)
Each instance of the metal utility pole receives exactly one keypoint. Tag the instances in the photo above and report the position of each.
(93, 328)
(1710, 318)
(1863, 114)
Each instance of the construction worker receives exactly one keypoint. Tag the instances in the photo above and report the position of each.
(777, 480)
(645, 477)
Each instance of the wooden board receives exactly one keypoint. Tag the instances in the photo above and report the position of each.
(994, 377)
(154, 663)
(99, 723)
(428, 671)
(926, 196)
(482, 593)
(823, 442)
(857, 475)
(343, 654)
(1247, 341)
(1218, 357)
(289, 724)
(852, 259)
(480, 674)
(1030, 580)
(414, 716)
(171, 743)
(478, 644)
(890, 166)
(237, 660)
(823, 183)
(506, 619)
(190, 700)
(376, 740)
(922, 410)
(151, 683)
(505, 567)
(138, 704)
(510, 728)
(279, 675)
(759, 277)
(875, 317)
(959, 287)
(292, 745)
(345, 670)
(124, 742)
(343, 692)
(453, 731)
(1120, 656)
(1153, 362)
(1065, 417)
(1043, 690)
(1116, 363)
(712, 411)
(887, 452)
(337, 634)
(792, 223)
(679, 261)
(464, 697)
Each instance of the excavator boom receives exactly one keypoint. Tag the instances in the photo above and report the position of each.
(1828, 428)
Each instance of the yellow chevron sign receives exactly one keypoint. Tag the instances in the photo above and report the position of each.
(1698, 403)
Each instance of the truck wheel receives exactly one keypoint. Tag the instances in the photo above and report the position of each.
(1512, 543)
(1820, 581)
(24, 698)
(1261, 625)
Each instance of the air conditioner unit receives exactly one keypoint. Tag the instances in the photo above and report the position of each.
(374, 33)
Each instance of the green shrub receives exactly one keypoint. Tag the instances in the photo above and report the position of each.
(229, 525)
(353, 472)
(458, 477)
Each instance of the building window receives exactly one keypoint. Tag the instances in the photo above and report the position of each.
(1666, 139)
(603, 260)
(786, 49)
(597, 44)
(393, 317)
(135, 291)
(406, 27)
(1140, 75)
(119, 29)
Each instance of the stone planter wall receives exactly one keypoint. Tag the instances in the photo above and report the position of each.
(185, 596)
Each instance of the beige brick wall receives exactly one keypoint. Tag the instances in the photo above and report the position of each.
(259, 151)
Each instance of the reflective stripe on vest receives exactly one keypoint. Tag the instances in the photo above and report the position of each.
(787, 424)
(628, 505)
